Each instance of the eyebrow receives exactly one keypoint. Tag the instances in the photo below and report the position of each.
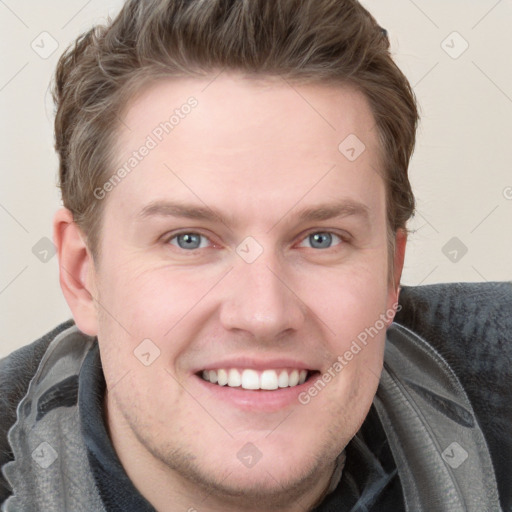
(320, 212)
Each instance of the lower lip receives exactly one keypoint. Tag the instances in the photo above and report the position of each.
(257, 400)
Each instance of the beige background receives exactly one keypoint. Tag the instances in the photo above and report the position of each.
(461, 171)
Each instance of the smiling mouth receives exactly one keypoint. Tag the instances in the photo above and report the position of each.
(250, 379)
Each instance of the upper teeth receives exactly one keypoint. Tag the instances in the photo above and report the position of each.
(252, 379)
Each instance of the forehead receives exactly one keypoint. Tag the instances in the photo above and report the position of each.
(229, 139)
(257, 106)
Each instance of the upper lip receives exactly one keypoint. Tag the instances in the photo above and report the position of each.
(256, 364)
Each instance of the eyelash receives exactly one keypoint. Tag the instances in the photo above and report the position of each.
(168, 239)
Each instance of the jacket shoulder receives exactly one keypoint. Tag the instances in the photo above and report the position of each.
(16, 372)
(470, 325)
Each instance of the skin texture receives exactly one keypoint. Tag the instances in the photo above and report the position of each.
(259, 152)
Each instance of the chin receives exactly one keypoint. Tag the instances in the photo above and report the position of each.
(266, 484)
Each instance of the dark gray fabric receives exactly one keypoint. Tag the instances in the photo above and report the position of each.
(16, 371)
(370, 481)
(441, 454)
(50, 470)
(115, 488)
(470, 325)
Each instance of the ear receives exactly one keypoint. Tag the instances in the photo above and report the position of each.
(76, 271)
(398, 265)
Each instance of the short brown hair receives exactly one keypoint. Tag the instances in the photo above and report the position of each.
(320, 41)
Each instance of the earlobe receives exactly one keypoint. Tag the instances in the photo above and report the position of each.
(76, 271)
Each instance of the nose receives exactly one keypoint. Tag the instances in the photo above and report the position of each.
(260, 300)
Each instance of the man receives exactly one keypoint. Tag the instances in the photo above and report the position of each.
(234, 179)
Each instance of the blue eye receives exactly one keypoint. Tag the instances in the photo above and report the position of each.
(192, 241)
(188, 241)
(321, 240)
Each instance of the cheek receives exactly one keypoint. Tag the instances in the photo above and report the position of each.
(353, 309)
(347, 300)
(157, 311)
(151, 302)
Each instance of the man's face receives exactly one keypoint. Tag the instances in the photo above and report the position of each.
(286, 269)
